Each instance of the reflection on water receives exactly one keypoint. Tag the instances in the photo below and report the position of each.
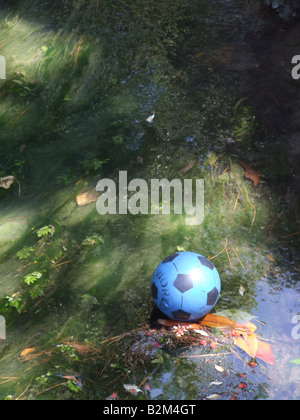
(82, 81)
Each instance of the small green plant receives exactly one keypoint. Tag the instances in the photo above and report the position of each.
(25, 253)
(118, 140)
(68, 351)
(46, 231)
(244, 123)
(93, 165)
(48, 50)
(32, 278)
(44, 379)
(14, 302)
(93, 241)
(73, 386)
(66, 179)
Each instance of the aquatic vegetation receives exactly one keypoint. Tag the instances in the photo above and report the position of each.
(90, 166)
(46, 231)
(93, 240)
(32, 278)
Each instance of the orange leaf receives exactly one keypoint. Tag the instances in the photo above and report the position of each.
(27, 351)
(251, 326)
(264, 353)
(211, 321)
(220, 322)
(250, 173)
(248, 344)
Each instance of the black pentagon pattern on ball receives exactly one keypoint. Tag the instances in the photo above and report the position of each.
(171, 258)
(154, 290)
(183, 283)
(181, 315)
(212, 297)
(204, 261)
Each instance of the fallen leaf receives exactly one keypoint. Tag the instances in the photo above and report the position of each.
(73, 379)
(201, 332)
(250, 173)
(27, 351)
(216, 383)
(132, 388)
(211, 321)
(150, 119)
(7, 182)
(220, 322)
(213, 397)
(219, 368)
(242, 385)
(22, 148)
(251, 326)
(82, 349)
(264, 353)
(87, 198)
(248, 344)
(242, 290)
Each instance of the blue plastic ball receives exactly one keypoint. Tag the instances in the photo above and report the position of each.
(186, 286)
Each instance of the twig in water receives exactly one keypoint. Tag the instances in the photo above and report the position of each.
(204, 355)
(212, 258)
(236, 202)
(236, 254)
(253, 220)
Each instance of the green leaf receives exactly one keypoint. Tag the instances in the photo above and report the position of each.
(45, 231)
(295, 362)
(32, 278)
(118, 139)
(73, 386)
(25, 253)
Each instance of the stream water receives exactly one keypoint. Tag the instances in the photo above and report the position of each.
(82, 79)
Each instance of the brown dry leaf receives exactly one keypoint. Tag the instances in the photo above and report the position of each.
(270, 257)
(7, 182)
(73, 379)
(87, 198)
(82, 349)
(250, 173)
(27, 351)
